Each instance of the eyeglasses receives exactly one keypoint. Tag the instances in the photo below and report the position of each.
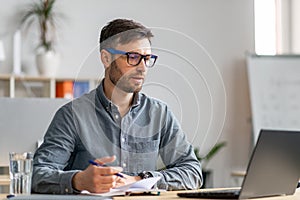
(134, 58)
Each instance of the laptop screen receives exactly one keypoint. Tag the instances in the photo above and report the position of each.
(274, 167)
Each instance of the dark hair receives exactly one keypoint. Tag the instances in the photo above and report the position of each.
(122, 31)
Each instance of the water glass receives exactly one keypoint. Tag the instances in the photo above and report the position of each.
(20, 172)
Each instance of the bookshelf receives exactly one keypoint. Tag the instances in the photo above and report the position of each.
(15, 86)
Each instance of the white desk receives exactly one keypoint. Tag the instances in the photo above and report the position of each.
(238, 177)
(4, 183)
(173, 195)
(4, 180)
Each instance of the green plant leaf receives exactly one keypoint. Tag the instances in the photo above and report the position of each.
(43, 13)
(196, 150)
(214, 151)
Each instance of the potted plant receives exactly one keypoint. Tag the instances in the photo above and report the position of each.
(207, 173)
(42, 13)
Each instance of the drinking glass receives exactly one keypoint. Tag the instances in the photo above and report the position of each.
(20, 172)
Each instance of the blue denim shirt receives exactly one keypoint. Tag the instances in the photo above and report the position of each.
(90, 127)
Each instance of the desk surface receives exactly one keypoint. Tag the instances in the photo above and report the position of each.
(173, 195)
(4, 180)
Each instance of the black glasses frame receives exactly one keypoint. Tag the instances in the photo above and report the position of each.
(142, 57)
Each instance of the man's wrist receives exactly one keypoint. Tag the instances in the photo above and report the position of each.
(145, 175)
(75, 182)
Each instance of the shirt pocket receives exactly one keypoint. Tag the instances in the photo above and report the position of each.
(148, 146)
(141, 155)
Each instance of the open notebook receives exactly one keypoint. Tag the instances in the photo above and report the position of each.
(274, 168)
(144, 185)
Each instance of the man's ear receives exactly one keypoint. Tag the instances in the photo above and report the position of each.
(105, 58)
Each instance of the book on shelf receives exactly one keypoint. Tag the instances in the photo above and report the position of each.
(71, 89)
(80, 88)
(64, 89)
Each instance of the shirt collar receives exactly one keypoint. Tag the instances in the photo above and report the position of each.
(103, 99)
(136, 99)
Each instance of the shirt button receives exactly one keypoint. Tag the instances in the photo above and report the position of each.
(66, 190)
(123, 139)
(124, 164)
(117, 116)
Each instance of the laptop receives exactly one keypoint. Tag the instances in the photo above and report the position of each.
(274, 169)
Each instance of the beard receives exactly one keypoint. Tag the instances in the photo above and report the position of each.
(122, 81)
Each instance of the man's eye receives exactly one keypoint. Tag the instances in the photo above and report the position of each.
(134, 56)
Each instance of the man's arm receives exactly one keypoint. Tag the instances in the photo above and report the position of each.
(185, 173)
(53, 156)
(183, 170)
(52, 159)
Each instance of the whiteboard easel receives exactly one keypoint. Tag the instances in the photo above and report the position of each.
(274, 83)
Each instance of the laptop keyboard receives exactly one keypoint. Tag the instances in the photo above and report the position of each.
(217, 194)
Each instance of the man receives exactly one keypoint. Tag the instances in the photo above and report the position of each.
(116, 125)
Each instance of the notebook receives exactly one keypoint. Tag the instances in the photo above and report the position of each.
(143, 186)
(274, 168)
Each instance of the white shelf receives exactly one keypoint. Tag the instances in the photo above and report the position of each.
(10, 84)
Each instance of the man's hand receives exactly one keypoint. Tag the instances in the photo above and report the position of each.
(98, 179)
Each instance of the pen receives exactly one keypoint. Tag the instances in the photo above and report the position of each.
(98, 165)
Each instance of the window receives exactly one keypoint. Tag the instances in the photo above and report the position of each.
(265, 27)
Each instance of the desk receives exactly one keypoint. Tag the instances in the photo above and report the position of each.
(4, 180)
(238, 177)
(4, 183)
(173, 195)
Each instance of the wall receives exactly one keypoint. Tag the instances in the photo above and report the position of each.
(201, 71)
(284, 26)
(24, 123)
(290, 29)
(295, 30)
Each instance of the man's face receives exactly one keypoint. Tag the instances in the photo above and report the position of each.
(124, 76)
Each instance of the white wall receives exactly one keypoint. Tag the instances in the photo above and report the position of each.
(290, 27)
(201, 44)
(295, 27)
(24, 123)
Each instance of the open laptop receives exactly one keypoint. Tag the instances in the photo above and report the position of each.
(274, 169)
